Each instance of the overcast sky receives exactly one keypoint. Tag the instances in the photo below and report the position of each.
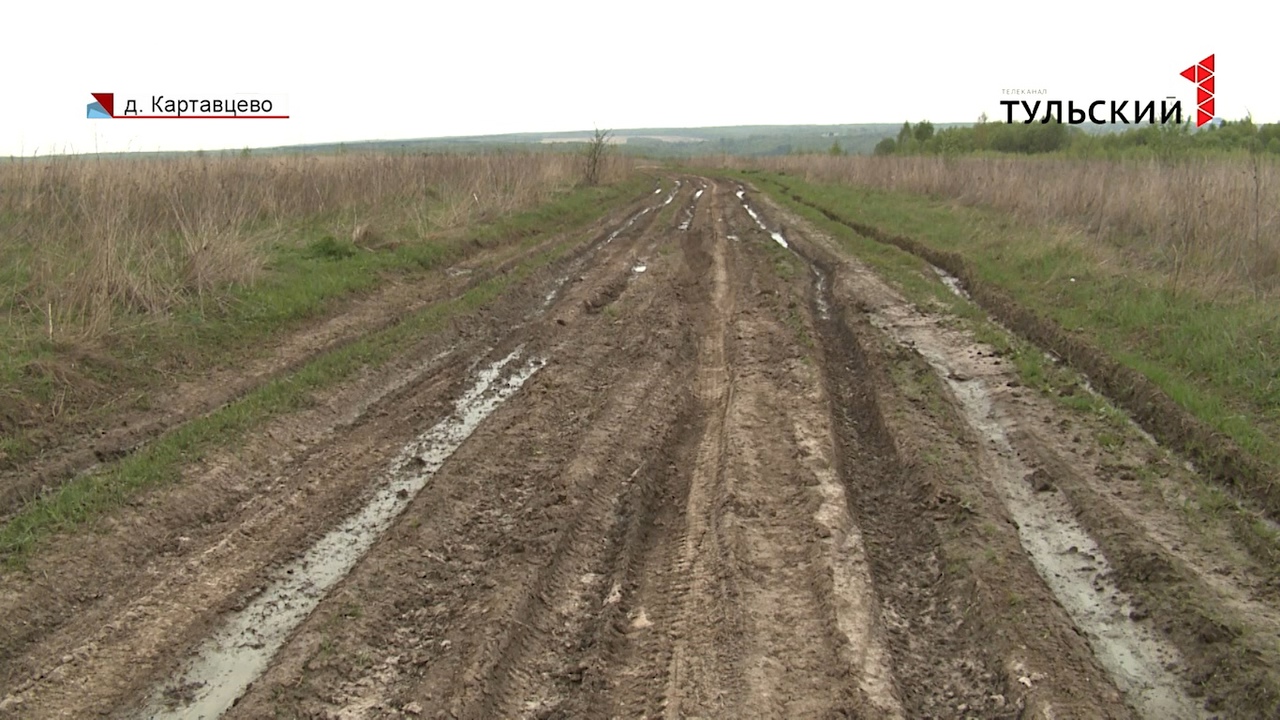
(384, 70)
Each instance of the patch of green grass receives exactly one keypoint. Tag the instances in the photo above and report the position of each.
(90, 496)
(328, 248)
(795, 320)
(1110, 440)
(13, 446)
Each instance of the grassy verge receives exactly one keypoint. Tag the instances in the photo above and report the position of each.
(1213, 358)
(308, 272)
(90, 496)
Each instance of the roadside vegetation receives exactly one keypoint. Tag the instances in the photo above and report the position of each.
(120, 273)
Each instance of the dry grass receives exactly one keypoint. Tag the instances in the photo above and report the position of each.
(1212, 224)
(85, 242)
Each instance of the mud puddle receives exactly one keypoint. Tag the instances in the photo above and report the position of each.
(674, 191)
(1066, 557)
(777, 236)
(690, 211)
(819, 287)
(952, 282)
(240, 651)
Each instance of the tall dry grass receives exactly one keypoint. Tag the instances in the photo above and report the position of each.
(1208, 222)
(83, 238)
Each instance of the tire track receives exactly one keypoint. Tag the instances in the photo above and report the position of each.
(701, 677)
(579, 460)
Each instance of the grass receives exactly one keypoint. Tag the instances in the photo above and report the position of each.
(88, 497)
(92, 249)
(88, 244)
(1217, 358)
(1202, 223)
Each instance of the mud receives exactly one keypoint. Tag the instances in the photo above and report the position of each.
(1067, 558)
(240, 650)
(674, 472)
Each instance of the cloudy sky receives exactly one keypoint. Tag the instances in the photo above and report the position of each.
(384, 70)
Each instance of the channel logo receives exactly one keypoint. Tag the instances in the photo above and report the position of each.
(1202, 75)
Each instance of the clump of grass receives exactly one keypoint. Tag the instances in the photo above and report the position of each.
(330, 248)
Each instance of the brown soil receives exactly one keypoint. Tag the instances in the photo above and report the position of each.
(731, 490)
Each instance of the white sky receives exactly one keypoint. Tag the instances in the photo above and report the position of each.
(387, 70)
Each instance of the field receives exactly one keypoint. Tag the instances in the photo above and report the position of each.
(797, 437)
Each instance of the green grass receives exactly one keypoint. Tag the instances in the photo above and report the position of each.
(161, 462)
(1219, 360)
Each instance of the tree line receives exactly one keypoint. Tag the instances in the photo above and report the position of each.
(1033, 138)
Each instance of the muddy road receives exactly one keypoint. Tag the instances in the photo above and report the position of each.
(702, 464)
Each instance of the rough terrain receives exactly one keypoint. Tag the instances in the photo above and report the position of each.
(702, 464)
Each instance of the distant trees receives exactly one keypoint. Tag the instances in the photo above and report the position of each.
(911, 138)
(923, 137)
(1037, 137)
(904, 135)
(835, 149)
(887, 146)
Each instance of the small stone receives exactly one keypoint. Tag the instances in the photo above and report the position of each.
(412, 708)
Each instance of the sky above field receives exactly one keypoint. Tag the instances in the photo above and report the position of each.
(383, 70)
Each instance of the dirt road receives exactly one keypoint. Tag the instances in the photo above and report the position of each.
(705, 464)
